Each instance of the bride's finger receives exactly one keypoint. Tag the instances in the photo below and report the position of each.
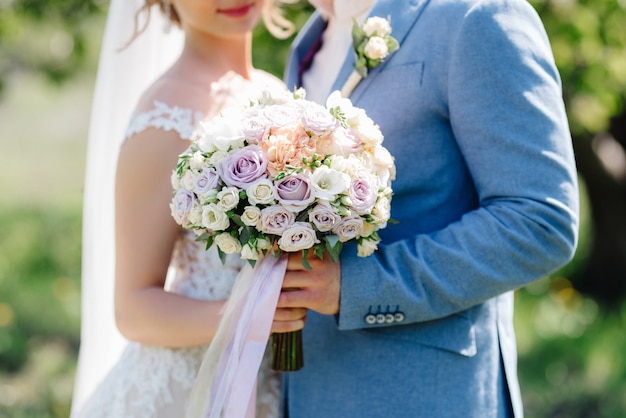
(289, 314)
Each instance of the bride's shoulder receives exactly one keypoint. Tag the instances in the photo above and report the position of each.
(169, 106)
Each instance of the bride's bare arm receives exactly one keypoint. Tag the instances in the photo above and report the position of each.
(145, 237)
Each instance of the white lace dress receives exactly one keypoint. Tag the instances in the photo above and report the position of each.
(154, 381)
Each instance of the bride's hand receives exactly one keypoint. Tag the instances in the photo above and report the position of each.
(288, 319)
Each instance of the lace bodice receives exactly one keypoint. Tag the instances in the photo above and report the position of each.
(183, 121)
(154, 382)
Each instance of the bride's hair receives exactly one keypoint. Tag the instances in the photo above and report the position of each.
(272, 15)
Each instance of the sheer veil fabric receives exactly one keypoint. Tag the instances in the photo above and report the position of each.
(123, 75)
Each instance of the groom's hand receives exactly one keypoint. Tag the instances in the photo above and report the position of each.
(318, 289)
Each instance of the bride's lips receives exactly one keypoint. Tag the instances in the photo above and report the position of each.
(239, 11)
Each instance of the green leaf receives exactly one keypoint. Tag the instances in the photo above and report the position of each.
(305, 262)
(222, 255)
(331, 240)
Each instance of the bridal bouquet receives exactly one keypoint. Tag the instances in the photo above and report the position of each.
(284, 175)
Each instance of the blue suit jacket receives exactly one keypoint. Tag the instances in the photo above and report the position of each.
(487, 201)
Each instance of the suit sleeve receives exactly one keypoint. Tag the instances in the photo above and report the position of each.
(507, 115)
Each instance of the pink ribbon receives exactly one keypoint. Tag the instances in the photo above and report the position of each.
(226, 381)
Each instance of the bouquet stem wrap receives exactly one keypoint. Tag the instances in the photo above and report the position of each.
(226, 382)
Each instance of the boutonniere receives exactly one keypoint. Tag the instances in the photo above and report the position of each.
(372, 43)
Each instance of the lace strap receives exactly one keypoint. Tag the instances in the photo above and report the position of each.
(183, 121)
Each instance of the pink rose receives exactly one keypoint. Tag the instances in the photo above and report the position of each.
(323, 217)
(282, 115)
(275, 220)
(349, 228)
(294, 192)
(243, 167)
(255, 129)
(299, 236)
(317, 120)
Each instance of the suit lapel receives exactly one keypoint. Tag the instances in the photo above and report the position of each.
(401, 24)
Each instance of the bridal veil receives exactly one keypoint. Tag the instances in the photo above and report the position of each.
(123, 75)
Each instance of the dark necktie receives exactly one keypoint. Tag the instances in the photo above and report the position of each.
(307, 60)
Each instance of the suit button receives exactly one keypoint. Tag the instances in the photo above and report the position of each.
(370, 319)
(380, 318)
(390, 318)
(399, 316)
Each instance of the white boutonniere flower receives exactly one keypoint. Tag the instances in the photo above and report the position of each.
(372, 43)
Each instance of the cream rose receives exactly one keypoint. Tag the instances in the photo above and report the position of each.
(261, 192)
(227, 243)
(249, 253)
(376, 48)
(228, 198)
(251, 215)
(376, 25)
(366, 247)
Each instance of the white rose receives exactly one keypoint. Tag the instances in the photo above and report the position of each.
(263, 244)
(175, 180)
(248, 253)
(376, 48)
(222, 133)
(196, 162)
(350, 165)
(377, 26)
(227, 243)
(369, 132)
(261, 192)
(349, 228)
(214, 218)
(188, 180)
(366, 247)
(217, 156)
(228, 198)
(195, 214)
(299, 236)
(251, 215)
(328, 182)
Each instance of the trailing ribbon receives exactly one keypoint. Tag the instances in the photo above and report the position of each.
(226, 381)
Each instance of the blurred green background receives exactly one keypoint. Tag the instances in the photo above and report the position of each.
(570, 326)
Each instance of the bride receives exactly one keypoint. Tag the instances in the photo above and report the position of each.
(168, 291)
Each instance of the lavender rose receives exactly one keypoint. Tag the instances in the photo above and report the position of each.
(243, 167)
(205, 181)
(294, 192)
(275, 220)
(363, 193)
(298, 236)
(181, 206)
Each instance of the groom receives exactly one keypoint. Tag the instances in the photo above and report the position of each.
(485, 195)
